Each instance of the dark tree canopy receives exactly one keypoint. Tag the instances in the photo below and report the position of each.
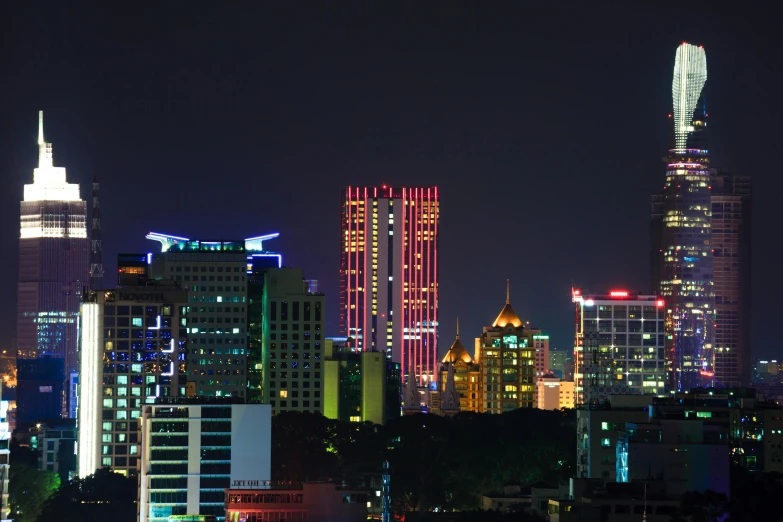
(99, 497)
(435, 461)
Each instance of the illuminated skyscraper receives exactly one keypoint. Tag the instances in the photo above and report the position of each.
(389, 274)
(682, 258)
(53, 262)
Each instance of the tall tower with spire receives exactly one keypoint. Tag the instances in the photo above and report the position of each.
(53, 261)
(681, 253)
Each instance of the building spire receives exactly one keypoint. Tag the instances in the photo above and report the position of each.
(411, 401)
(44, 149)
(450, 401)
(508, 291)
(457, 327)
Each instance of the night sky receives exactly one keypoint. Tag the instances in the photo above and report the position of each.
(544, 129)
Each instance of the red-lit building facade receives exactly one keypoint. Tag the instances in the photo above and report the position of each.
(305, 502)
(619, 341)
(389, 274)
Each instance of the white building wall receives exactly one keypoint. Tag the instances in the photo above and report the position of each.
(89, 408)
(251, 442)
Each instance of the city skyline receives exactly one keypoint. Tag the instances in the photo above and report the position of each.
(109, 140)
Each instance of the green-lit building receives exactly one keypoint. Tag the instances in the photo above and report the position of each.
(360, 386)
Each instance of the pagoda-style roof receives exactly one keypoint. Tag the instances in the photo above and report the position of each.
(507, 316)
(457, 352)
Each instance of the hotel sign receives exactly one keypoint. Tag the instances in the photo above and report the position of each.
(250, 483)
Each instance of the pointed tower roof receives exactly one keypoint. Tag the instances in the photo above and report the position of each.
(450, 401)
(507, 314)
(49, 183)
(457, 352)
(411, 401)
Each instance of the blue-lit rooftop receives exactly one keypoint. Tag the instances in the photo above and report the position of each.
(253, 246)
(169, 243)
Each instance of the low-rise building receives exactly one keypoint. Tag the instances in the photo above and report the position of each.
(687, 454)
(747, 425)
(513, 498)
(55, 443)
(299, 502)
(359, 386)
(597, 431)
(554, 394)
(599, 501)
(193, 449)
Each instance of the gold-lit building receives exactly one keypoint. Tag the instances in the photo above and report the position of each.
(507, 357)
(466, 376)
(501, 375)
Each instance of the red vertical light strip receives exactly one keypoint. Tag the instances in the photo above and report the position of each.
(403, 305)
(419, 283)
(366, 242)
(435, 276)
(430, 360)
(417, 294)
(347, 247)
(356, 278)
(411, 283)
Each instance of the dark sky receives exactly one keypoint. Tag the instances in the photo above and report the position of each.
(543, 127)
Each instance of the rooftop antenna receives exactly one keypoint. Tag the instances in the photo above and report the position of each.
(96, 248)
(44, 149)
